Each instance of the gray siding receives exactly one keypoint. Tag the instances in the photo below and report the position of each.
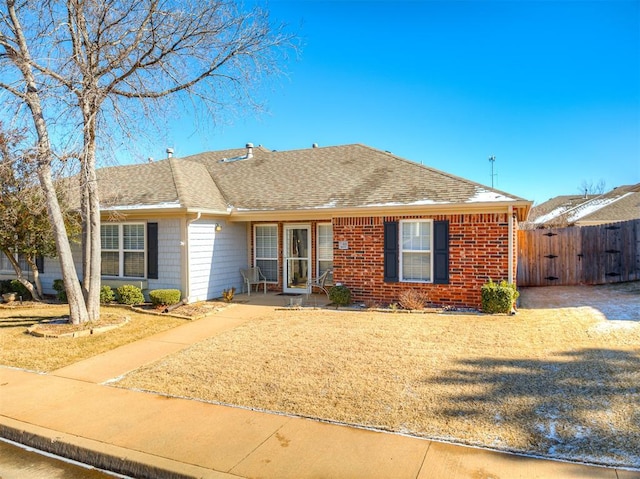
(215, 258)
(169, 255)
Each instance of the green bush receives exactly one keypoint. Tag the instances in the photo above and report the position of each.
(58, 285)
(20, 290)
(498, 297)
(106, 294)
(15, 286)
(164, 297)
(340, 295)
(129, 294)
(5, 286)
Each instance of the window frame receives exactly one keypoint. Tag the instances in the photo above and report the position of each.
(122, 251)
(319, 258)
(257, 258)
(7, 268)
(402, 251)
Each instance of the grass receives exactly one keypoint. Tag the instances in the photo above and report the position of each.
(23, 350)
(559, 383)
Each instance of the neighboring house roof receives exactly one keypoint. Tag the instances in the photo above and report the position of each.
(338, 177)
(620, 204)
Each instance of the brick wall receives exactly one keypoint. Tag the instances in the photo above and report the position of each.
(478, 245)
(478, 250)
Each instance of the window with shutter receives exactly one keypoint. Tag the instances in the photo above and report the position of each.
(391, 251)
(441, 252)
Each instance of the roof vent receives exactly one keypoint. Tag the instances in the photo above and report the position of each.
(169, 152)
(248, 155)
(315, 145)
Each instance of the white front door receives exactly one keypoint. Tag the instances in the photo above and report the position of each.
(297, 258)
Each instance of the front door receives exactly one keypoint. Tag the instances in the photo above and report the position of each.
(297, 258)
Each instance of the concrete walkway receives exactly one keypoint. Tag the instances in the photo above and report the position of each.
(73, 413)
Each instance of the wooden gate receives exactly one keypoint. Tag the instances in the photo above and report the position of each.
(579, 255)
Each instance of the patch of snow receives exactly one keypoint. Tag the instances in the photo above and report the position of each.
(486, 196)
(412, 203)
(592, 206)
(551, 215)
(331, 204)
(167, 205)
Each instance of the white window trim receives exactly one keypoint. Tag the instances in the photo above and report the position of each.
(121, 251)
(318, 258)
(5, 265)
(255, 248)
(402, 251)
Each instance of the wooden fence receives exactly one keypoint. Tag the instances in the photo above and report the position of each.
(579, 255)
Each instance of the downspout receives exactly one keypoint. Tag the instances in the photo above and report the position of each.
(510, 244)
(187, 284)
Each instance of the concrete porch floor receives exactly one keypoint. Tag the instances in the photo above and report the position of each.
(278, 299)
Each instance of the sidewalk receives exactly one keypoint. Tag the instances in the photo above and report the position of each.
(71, 413)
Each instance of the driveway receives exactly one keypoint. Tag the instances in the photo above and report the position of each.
(613, 302)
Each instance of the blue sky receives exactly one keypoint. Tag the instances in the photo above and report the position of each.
(551, 88)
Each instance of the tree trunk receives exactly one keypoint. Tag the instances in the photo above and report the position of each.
(77, 307)
(91, 256)
(36, 293)
(36, 278)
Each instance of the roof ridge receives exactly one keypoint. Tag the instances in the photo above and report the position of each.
(176, 182)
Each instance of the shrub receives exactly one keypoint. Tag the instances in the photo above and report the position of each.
(164, 297)
(21, 290)
(5, 286)
(227, 294)
(340, 295)
(15, 286)
(129, 294)
(106, 294)
(58, 285)
(412, 299)
(498, 297)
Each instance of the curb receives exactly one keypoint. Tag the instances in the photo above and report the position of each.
(103, 456)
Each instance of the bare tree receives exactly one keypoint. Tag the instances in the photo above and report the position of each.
(97, 61)
(592, 188)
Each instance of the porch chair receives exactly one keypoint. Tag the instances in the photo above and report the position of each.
(251, 276)
(320, 282)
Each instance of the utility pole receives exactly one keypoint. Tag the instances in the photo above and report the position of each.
(492, 160)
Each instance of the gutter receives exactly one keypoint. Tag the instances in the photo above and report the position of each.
(521, 208)
(511, 245)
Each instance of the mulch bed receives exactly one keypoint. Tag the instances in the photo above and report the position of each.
(62, 328)
(188, 311)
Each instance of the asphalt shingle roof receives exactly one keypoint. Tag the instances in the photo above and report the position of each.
(347, 176)
(620, 204)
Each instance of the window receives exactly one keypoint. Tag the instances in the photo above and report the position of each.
(123, 250)
(325, 249)
(5, 264)
(415, 251)
(266, 250)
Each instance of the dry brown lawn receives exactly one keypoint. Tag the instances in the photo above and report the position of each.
(22, 350)
(558, 382)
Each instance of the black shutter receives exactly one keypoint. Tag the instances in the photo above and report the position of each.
(391, 251)
(152, 250)
(40, 263)
(441, 252)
